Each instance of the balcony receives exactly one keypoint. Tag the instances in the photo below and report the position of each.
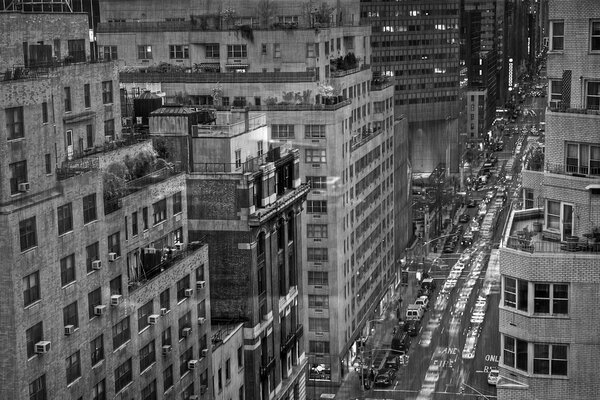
(381, 83)
(47, 68)
(556, 106)
(283, 201)
(339, 73)
(302, 107)
(527, 233)
(230, 130)
(250, 165)
(77, 167)
(288, 343)
(106, 147)
(150, 75)
(266, 367)
(573, 169)
(158, 262)
(363, 137)
(114, 201)
(299, 331)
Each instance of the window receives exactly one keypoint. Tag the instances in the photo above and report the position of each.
(109, 53)
(67, 95)
(143, 314)
(182, 285)
(97, 349)
(557, 35)
(179, 51)
(550, 298)
(317, 182)
(549, 359)
(18, 174)
(109, 128)
(236, 51)
(37, 389)
(165, 337)
(99, 390)
(553, 214)
(70, 315)
(310, 50)
(228, 370)
(94, 299)
(89, 136)
(168, 378)
(212, 50)
(188, 392)
(76, 50)
(316, 156)
(87, 97)
(165, 301)
(73, 367)
(220, 379)
(260, 149)
(107, 92)
(318, 324)
(147, 355)
(65, 218)
(183, 360)
(48, 163)
(314, 131)
(149, 391)
(516, 293)
(145, 217)
(592, 98)
(67, 269)
(240, 357)
(31, 288)
(317, 278)
(14, 123)
(121, 333)
(318, 346)
(122, 375)
(282, 131)
(145, 52)
(317, 254)
(515, 353)
(276, 50)
(92, 253)
(89, 208)
(529, 200)
(177, 203)
(32, 336)
(241, 394)
(159, 211)
(44, 113)
(316, 206)
(114, 243)
(238, 158)
(318, 301)
(263, 49)
(556, 90)
(316, 230)
(184, 322)
(116, 286)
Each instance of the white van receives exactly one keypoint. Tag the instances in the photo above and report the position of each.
(414, 312)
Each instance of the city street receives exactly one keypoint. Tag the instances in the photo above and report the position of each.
(458, 342)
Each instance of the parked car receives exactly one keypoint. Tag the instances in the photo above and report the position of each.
(493, 376)
(464, 218)
(423, 301)
(414, 327)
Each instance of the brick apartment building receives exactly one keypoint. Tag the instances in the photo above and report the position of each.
(103, 295)
(548, 314)
(309, 73)
(246, 200)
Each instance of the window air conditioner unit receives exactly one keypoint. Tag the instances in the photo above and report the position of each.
(42, 347)
(179, 246)
(96, 264)
(201, 320)
(166, 349)
(150, 250)
(116, 299)
(163, 311)
(192, 364)
(186, 332)
(99, 310)
(200, 284)
(204, 352)
(188, 292)
(69, 329)
(112, 257)
(23, 187)
(153, 319)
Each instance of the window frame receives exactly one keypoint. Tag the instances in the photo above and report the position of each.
(179, 51)
(159, 211)
(68, 104)
(318, 278)
(123, 375)
(315, 156)
(15, 127)
(33, 334)
(37, 388)
(92, 253)
(94, 299)
(595, 96)
(554, 36)
(318, 324)
(121, 333)
(317, 182)
(316, 206)
(73, 369)
(114, 243)
(317, 254)
(97, 350)
(68, 270)
(64, 219)
(516, 351)
(107, 92)
(144, 52)
(147, 355)
(182, 285)
(237, 51)
(18, 174)
(210, 52)
(90, 209)
(317, 231)
(283, 131)
(143, 313)
(315, 131)
(177, 203)
(552, 300)
(31, 292)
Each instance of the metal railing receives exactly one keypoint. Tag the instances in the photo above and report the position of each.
(212, 77)
(341, 73)
(230, 130)
(546, 246)
(573, 170)
(72, 168)
(171, 257)
(44, 69)
(124, 141)
(363, 137)
(301, 107)
(381, 83)
(250, 165)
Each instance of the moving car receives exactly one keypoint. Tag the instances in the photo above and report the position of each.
(385, 377)
(464, 218)
(414, 327)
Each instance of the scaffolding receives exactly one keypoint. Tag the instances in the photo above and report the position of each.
(36, 6)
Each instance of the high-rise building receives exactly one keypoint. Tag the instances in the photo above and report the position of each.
(246, 200)
(101, 288)
(416, 43)
(308, 71)
(551, 252)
